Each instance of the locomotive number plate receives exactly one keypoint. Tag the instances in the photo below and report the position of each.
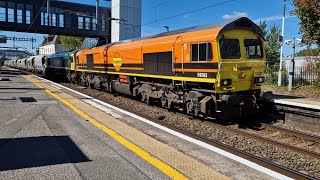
(258, 74)
(202, 75)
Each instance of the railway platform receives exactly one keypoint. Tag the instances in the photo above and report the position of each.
(299, 102)
(48, 131)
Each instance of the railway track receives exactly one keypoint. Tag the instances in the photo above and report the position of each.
(242, 152)
(292, 140)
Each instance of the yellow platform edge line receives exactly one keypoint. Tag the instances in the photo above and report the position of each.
(166, 169)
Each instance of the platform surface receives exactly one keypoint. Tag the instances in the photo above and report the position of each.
(41, 137)
(302, 102)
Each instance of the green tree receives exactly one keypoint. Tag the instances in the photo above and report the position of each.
(309, 52)
(271, 44)
(21, 57)
(263, 27)
(308, 11)
(71, 42)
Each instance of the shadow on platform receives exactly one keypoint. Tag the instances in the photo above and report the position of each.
(30, 152)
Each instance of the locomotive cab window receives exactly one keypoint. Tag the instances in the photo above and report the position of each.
(229, 48)
(253, 48)
(201, 52)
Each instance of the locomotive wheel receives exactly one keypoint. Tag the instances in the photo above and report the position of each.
(164, 102)
(145, 98)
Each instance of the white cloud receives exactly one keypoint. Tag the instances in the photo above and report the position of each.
(235, 14)
(271, 18)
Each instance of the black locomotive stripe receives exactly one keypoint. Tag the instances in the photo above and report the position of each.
(196, 65)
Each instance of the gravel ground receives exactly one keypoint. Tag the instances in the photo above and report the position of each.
(299, 162)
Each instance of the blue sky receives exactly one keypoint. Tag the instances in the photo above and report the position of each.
(154, 11)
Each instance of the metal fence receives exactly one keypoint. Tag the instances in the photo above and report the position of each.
(303, 75)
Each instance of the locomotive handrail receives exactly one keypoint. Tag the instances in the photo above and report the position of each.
(173, 59)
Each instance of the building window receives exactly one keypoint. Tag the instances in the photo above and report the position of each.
(3, 16)
(28, 17)
(42, 18)
(80, 22)
(54, 20)
(19, 16)
(61, 20)
(28, 14)
(87, 24)
(94, 24)
(201, 52)
(20, 8)
(10, 15)
(46, 19)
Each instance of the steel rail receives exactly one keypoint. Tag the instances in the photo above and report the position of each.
(270, 141)
(309, 137)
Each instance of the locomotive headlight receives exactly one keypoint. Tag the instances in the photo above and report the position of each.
(225, 82)
(259, 79)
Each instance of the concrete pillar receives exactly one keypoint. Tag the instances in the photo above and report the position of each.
(126, 23)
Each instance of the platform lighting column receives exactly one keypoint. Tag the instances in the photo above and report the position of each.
(48, 12)
(292, 65)
(97, 12)
(281, 49)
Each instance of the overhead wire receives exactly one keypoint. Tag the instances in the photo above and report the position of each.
(188, 12)
(141, 25)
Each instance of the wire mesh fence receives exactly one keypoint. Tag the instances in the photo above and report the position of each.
(303, 75)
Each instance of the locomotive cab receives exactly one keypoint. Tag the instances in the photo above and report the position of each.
(242, 63)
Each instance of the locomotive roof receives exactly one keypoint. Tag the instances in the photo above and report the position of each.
(238, 23)
(62, 54)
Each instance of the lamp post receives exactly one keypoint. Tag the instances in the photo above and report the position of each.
(97, 11)
(282, 37)
(295, 42)
(167, 27)
(49, 12)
